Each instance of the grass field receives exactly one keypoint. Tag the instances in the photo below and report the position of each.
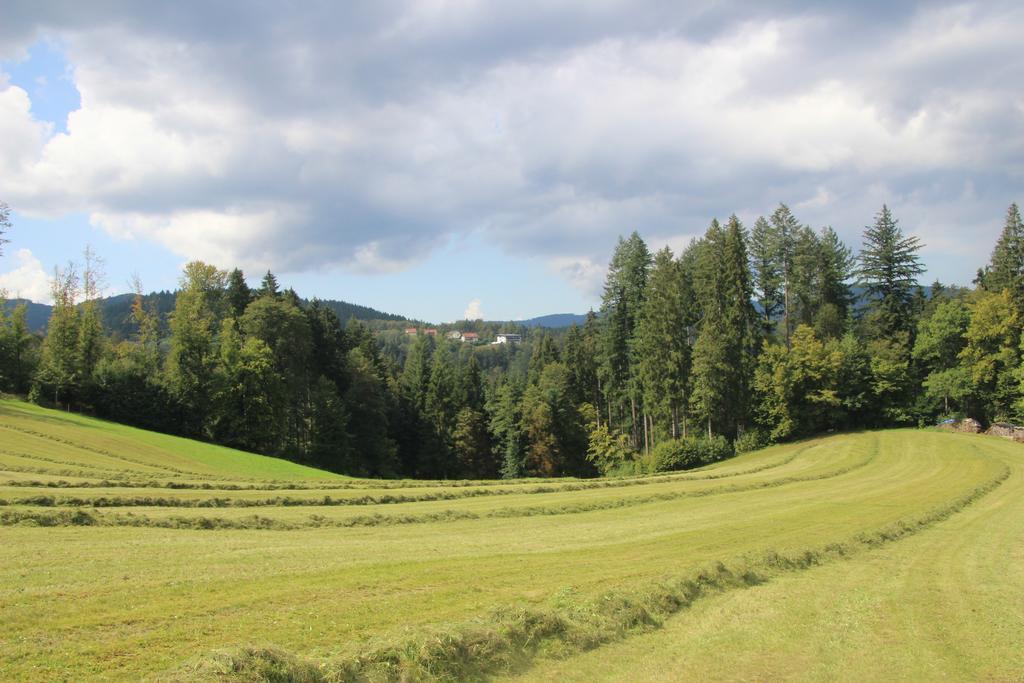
(126, 555)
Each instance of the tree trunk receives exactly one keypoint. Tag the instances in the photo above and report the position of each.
(785, 314)
(647, 448)
(636, 434)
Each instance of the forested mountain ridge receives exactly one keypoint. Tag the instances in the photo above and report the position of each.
(117, 311)
(748, 336)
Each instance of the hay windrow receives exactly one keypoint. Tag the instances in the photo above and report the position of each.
(510, 639)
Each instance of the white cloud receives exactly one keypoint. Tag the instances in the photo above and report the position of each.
(473, 311)
(549, 129)
(28, 280)
(582, 273)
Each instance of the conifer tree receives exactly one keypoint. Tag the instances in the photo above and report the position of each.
(766, 273)
(723, 352)
(835, 267)
(416, 373)
(441, 407)
(238, 294)
(740, 323)
(505, 411)
(91, 340)
(624, 293)
(710, 375)
(663, 346)
(555, 435)
(147, 346)
(543, 352)
(269, 286)
(17, 360)
(1006, 269)
(58, 371)
(806, 278)
(366, 397)
(785, 231)
(889, 266)
(471, 444)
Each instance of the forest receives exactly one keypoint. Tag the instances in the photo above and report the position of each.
(746, 338)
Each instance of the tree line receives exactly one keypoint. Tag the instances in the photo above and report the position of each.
(747, 337)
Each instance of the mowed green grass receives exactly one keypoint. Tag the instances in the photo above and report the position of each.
(103, 573)
(48, 442)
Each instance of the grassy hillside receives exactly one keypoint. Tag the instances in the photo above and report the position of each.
(125, 554)
(44, 443)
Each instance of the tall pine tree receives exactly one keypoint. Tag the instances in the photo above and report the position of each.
(1006, 269)
(889, 266)
(663, 347)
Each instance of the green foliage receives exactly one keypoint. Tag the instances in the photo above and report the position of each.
(991, 354)
(892, 384)
(59, 372)
(677, 342)
(608, 451)
(191, 360)
(799, 388)
(471, 443)
(751, 440)
(553, 427)
(367, 400)
(688, 453)
(19, 352)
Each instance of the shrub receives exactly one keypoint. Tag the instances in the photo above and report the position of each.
(751, 441)
(685, 454)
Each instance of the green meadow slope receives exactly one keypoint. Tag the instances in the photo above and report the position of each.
(125, 555)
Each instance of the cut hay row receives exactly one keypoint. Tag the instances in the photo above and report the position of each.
(510, 639)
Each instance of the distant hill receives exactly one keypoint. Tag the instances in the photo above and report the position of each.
(555, 320)
(344, 310)
(36, 316)
(117, 311)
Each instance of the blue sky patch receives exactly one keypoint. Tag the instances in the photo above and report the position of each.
(47, 78)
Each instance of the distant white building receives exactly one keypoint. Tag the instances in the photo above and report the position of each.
(508, 339)
(455, 335)
(470, 337)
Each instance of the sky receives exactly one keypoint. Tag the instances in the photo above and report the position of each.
(451, 158)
